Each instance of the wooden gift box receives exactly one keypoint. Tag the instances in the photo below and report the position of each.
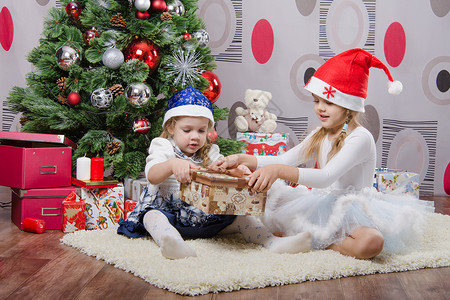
(222, 194)
(45, 204)
(35, 160)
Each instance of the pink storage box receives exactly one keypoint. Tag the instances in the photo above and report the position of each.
(45, 204)
(35, 160)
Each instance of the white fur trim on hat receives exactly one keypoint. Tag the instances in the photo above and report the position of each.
(189, 111)
(329, 93)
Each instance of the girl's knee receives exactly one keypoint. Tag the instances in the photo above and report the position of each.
(370, 244)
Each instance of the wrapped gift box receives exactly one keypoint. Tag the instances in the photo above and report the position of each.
(45, 204)
(127, 187)
(104, 207)
(397, 182)
(73, 213)
(222, 194)
(35, 160)
(137, 186)
(129, 206)
(257, 143)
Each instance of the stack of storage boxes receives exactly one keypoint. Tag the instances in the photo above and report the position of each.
(37, 167)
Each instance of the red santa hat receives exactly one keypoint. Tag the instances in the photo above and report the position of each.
(343, 79)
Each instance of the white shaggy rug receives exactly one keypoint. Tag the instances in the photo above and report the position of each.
(228, 263)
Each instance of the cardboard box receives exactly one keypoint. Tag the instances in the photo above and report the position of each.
(257, 143)
(73, 213)
(35, 160)
(45, 204)
(397, 182)
(104, 207)
(222, 194)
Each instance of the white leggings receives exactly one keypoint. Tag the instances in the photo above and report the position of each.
(159, 227)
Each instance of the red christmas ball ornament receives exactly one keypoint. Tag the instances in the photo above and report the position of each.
(212, 136)
(74, 98)
(141, 125)
(187, 36)
(145, 51)
(215, 87)
(158, 6)
(142, 15)
(89, 35)
(73, 9)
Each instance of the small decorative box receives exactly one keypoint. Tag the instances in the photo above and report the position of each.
(397, 182)
(257, 143)
(129, 206)
(73, 213)
(222, 194)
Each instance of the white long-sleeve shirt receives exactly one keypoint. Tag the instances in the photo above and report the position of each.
(353, 166)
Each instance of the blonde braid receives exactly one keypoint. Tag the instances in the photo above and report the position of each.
(312, 150)
(339, 142)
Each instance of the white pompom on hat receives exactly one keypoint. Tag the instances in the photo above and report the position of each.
(343, 79)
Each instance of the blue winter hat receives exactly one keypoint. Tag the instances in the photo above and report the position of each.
(189, 102)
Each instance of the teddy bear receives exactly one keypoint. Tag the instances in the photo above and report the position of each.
(255, 118)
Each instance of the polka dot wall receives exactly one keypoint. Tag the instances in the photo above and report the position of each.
(278, 45)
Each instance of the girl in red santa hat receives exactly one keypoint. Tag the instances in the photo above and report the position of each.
(342, 211)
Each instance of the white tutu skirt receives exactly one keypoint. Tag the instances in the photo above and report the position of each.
(330, 216)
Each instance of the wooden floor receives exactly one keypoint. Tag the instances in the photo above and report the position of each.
(38, 266)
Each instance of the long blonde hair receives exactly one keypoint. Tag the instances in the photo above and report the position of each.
(312, 149)
(202, 152)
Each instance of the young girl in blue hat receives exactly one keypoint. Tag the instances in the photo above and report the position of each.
(183, 146)
(342, 211)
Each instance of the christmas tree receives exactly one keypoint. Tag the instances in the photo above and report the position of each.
(105, 70)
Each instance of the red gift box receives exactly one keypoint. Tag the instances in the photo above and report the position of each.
(45, 204)
(35, 160)
(73, 213)
(129, 206)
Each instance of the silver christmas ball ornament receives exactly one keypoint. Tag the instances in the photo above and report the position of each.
(202, 37)
(142, 5)
(113, 58)
(101, 98)
(67, 56)
(175, 7)
(138, 94)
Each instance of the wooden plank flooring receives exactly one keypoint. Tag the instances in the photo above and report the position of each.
(38, 266)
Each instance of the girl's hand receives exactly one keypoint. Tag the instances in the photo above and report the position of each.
(245, 169)
(262, 179)
(181, 169)
(225, 163)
